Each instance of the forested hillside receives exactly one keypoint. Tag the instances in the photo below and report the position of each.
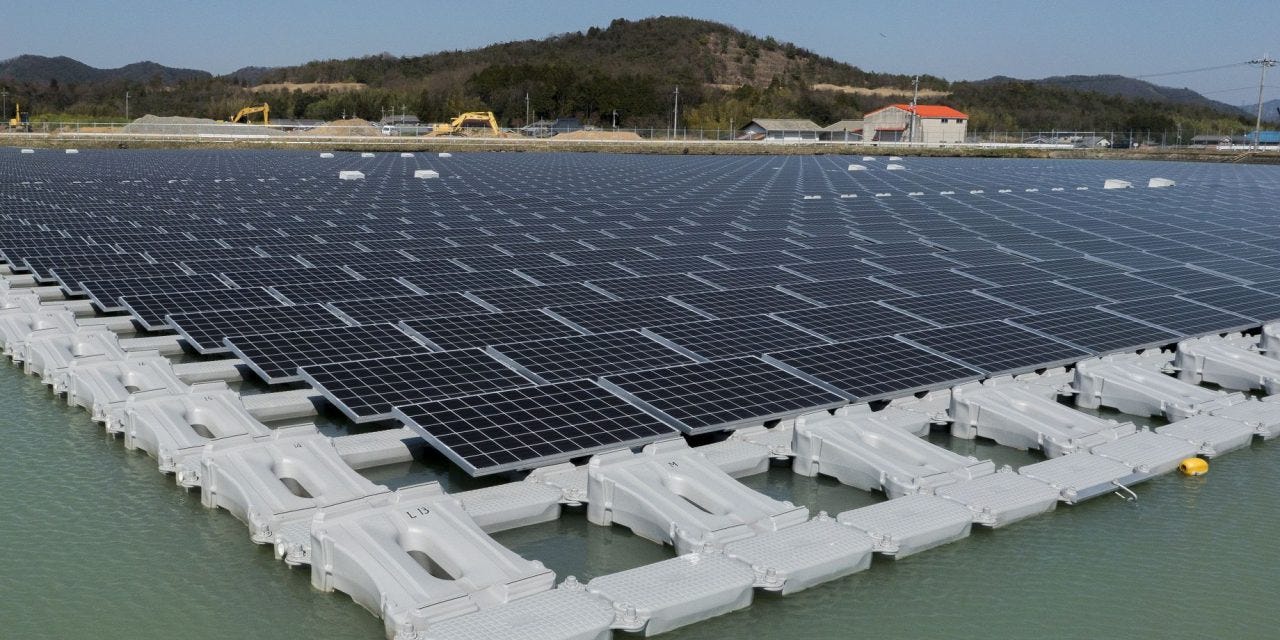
(725, 75)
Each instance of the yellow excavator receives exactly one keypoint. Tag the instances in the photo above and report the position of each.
(264, 109)
(468, 120)
(20, 121)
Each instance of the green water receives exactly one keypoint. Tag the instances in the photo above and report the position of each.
(95, 543)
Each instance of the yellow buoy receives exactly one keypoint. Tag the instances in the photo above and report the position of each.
(1194, 467)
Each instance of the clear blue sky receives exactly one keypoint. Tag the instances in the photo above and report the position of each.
(951, 38)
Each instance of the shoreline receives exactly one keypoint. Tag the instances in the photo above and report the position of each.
(646, 147)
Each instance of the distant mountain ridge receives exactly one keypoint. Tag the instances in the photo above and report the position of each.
(64, 70)
(1124, 87)
(1269, 110)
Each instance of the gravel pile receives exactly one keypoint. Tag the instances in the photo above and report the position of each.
(178, 125)
(348, 127)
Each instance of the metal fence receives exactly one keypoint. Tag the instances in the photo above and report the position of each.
(1052, 139)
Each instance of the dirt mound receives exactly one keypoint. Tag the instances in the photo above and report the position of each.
(310, 87)
(349, 127)
(180, 126)
(599, 135)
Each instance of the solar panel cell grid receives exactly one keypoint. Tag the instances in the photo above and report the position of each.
(874, 368)
(368, 390)
(276, 357)
(997, 347)
(560, 359)
(535, 426)
(711, 396)
(206, 330)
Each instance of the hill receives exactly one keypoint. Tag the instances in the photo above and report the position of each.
(64, 70)
(1121, 86)
(1270, 110)
(630, 67)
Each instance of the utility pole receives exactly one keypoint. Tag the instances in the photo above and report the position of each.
(915, 95)
(4, 115)
(675, 114)
(126, 105)
(526, 109)
(1265, 63)
(615, 118)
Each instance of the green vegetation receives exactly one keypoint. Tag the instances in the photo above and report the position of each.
(725, 76)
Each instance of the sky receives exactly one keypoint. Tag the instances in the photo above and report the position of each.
(953, 39)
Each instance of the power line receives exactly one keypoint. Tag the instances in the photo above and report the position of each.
(1200, 70)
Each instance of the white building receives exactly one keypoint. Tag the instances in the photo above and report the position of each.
(930, 123)
(779, 129)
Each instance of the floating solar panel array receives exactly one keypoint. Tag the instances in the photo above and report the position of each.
(528, 309)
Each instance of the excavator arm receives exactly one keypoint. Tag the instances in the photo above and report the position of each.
(264, 109)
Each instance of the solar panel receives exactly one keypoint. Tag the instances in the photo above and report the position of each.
(853, 321)
(1137, 260)
(574, 273)
(910, 263)
(837, 269)
(456, 282)
(846, 291)
(261, 263)
(69, 278)
(603, 317)
(305, 292)
(1007, 274)
(405, 269)
(742, 302)
(730, 337)
(929, 282)
(40, 266)
(332, 257)
(274, 277)
(106, 294)
(150, 309)
(559, 359)
(1118, 287)
(714, 396)
(997, 347)
(961, 307)
(667, 265)
(741, 278)
(1076, 268)
(368, 390)
(488, 263)
(479, 330)
(205, 330)
(1240, 269)
(897, 248)
(535, 426)
(537, 297)
(1182, 317)
(397, 308)
(873, 368)
(161, 254)
(1041, 297)
(753, 259)
(1098, 330)
(277, 356)
(650, 286)
(981, 257)
(1185, 279)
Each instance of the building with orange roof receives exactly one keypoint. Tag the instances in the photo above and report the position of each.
(928, 123)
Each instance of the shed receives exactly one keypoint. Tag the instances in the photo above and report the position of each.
(782, 129)
(843, 131)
